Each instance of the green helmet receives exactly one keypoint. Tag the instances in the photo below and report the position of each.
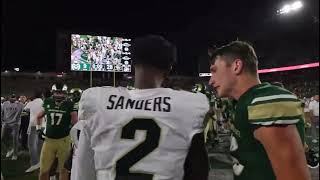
(59, 87)
(130, 87)
(75, 94)
(59, 91)
(199, 87)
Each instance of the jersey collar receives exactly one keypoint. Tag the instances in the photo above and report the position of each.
(248, 92)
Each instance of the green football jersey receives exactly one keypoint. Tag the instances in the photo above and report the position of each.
(261, 105)
(58, 118)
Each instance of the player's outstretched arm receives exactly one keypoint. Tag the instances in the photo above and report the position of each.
(285, 151)
(39, 117)
(196, 166)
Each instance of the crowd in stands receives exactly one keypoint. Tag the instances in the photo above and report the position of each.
(303, 83)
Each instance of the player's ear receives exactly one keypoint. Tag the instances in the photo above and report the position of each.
(237, 66)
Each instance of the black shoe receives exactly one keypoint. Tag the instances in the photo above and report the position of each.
(312, 159)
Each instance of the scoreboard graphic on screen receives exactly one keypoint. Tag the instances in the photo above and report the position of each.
(100, 53)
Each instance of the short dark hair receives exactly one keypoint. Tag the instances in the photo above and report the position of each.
(239, 50)
(155, 51)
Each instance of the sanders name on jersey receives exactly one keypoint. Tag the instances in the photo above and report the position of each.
(161, 104)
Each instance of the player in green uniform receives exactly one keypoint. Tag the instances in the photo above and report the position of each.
(75, 95)
(209, 130)
(268, 136)
(60, 113)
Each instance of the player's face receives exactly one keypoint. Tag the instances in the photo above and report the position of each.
(222, 79)
(23, 99)
(59, 96)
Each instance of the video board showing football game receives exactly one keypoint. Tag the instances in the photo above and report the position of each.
(100, 53)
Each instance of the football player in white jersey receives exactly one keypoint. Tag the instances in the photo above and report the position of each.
(148, 133)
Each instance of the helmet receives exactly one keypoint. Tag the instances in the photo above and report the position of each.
(59, 92)
(75, 94)
(199, 88)
(130, 87)
(59, 87)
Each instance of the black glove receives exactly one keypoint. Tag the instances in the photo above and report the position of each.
(40, 134)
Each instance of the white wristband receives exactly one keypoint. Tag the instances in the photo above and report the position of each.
(38, 127)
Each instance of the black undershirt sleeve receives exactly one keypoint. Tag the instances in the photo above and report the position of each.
(196, 166)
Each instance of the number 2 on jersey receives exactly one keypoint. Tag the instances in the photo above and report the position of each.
(151, 142)
(53, 118)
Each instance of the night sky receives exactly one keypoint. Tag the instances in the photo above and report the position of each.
(30, 28)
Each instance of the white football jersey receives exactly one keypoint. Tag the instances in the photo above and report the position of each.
(137, 133)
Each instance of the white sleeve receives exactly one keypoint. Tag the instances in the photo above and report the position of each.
(84, 167)
(201, 107)
(86, 105)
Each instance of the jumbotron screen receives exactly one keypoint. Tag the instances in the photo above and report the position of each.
(100, 53)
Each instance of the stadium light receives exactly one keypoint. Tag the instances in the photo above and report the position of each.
(296, 5)
(6, 71)
(16, 69)
(288, 8)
